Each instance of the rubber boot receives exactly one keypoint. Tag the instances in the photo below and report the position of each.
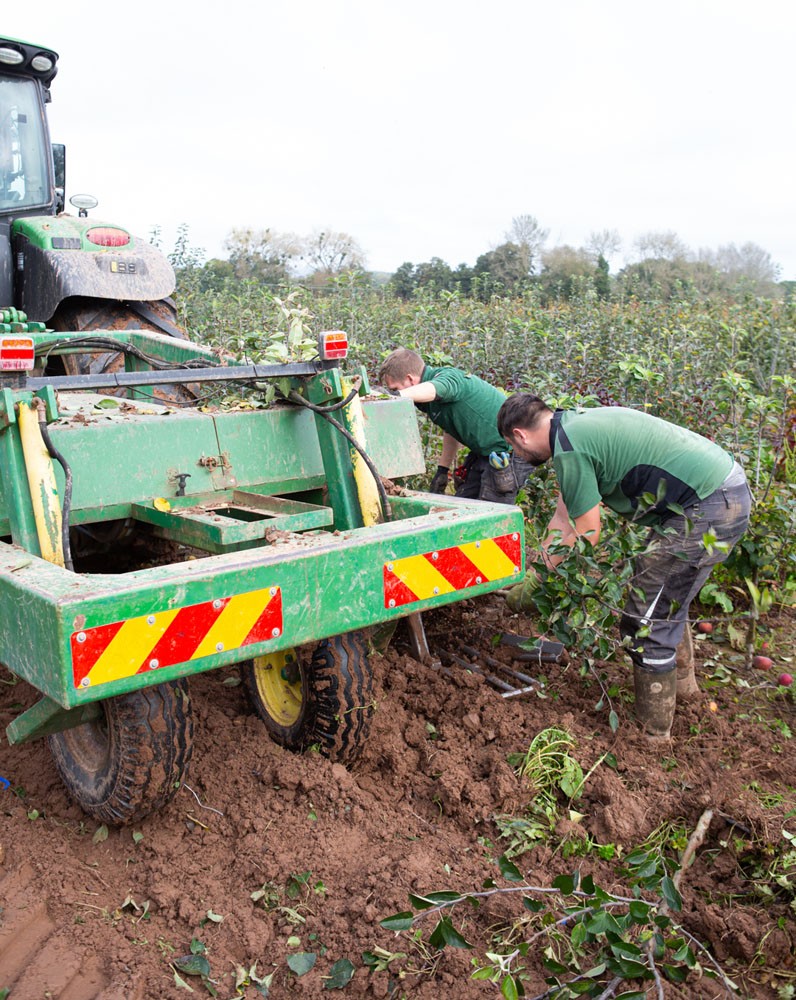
(687, 686)
(655, 699)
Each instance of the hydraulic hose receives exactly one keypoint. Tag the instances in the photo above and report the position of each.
(67, 503)
(324, 412)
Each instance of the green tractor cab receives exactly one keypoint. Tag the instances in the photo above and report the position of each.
(73, 273)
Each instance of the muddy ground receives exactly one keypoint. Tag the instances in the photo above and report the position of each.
(329, 851)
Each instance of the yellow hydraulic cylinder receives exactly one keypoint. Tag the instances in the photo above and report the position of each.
(367, 491)
(43, 489)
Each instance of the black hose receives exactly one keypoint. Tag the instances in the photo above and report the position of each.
(67, 504)
(386, 511)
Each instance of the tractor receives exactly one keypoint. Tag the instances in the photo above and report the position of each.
(145, 538)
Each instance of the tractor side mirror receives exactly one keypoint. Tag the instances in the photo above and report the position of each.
(59, 162)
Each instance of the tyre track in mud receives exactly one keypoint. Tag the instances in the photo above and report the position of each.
(39, 959)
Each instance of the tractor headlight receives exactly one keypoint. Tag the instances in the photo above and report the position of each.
(42, 63)
(10, 57)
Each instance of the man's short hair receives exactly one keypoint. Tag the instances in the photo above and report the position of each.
(523, 409)
(401, 363)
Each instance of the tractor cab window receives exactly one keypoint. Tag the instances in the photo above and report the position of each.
(24, 180)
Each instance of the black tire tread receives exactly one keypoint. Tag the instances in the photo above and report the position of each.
(150, 732)
(341, 684)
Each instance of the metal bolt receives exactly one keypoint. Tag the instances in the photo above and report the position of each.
(392, 603)
(478, 579)
(516, 569)
(272, 591)
(150, 620)
(216, 604)
(220, 647)
(85, 682)
(436, 590)
(154, 664)
(515, 536)
(478, 545)
(81, 636)
(435, 555)
(389, 567)
(275, 631)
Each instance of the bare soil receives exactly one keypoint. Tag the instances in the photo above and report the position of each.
(85, 917)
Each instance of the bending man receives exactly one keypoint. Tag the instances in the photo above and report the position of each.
(466, 409)
(614, 455)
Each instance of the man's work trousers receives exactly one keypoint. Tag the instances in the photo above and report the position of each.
(674, 567)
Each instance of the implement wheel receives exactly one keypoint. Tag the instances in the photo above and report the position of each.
(130, 761)
(321, 698)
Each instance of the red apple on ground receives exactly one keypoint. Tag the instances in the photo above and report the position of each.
(705, 627)
(762, 662)
(785, 680)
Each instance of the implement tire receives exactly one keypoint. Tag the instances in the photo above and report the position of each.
(131, 761)
(329, 703)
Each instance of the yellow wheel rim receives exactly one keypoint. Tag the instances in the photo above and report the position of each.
(280, 694)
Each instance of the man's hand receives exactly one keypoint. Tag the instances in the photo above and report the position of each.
(520, 596)
(440, 481)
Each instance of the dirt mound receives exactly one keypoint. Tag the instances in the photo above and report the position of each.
(265, 854)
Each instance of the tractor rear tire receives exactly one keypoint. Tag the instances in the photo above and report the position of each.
(130, 761)
(329, 704)
(82, 315)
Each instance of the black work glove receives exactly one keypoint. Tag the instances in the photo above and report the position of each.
(440, 481)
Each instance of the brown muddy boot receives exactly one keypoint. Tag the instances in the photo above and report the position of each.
(655, 700)
(687, 686)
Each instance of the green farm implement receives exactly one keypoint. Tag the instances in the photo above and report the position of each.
(145, 538)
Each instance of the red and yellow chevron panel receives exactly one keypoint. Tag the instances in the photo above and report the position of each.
(178, 635)
(417, 578)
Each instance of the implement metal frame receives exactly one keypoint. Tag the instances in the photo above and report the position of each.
(270, 492)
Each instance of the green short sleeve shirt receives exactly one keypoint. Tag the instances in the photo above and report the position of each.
(614, 454)
(466, 407)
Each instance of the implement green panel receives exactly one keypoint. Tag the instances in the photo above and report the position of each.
(130, 451)
(83, 638)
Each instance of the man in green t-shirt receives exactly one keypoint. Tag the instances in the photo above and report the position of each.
(614, 455)
(466, 409)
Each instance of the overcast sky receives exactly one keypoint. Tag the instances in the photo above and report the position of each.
(422, 128)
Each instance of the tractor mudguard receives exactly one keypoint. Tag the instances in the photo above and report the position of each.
(58, 262)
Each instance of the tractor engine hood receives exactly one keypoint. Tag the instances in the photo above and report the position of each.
(62, 256)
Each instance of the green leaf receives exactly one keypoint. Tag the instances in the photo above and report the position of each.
(508, 988)
(566, 883)
(179, 981)
(100, 835)
(339, 975)
(613, 721)
(137, 836)
(534, 905)
(193, 965)
(301, 962)
(452, 936)
(106, 404)
(579, 934)
(508, 869)
(197, 948)
(670, 894)
(215, 917)
(676, 973)
(639, 911)
(398, 921)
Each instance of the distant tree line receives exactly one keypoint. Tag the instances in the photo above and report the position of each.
(658, 265)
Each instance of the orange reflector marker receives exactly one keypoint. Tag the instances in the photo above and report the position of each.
(420, 577)
(333, 344)
(109, 652)
(17, 354)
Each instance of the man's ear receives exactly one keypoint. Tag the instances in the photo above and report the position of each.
(413, 379)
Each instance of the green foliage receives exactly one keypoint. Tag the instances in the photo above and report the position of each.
(589, 937)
